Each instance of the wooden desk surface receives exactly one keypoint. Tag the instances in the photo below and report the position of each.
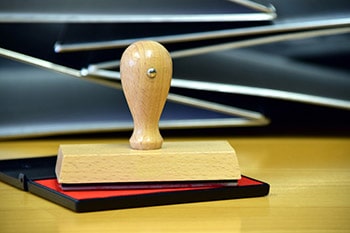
(310, 192)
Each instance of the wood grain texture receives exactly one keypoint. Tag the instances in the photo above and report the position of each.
(146, 93)
(309, 178)
(176, 161)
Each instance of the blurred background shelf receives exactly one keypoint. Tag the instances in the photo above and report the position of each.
(285, 60)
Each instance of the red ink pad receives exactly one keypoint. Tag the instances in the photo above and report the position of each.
(37, 176)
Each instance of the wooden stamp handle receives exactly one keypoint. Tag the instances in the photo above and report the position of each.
(146, 71)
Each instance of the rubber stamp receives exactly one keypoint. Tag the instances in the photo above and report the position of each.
(147, 161)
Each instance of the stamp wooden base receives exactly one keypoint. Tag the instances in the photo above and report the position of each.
(175, 161)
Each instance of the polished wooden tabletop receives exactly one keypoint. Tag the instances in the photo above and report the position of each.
(310, 192)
